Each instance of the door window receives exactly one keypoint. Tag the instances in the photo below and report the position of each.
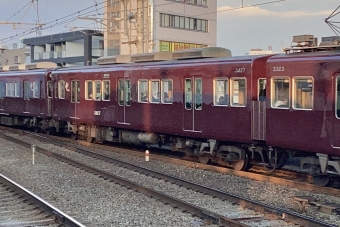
(337, 96)
(198, 94)
(262, 90)
(106, 90)
(124, 92)
(75, 91)
(49, 89)
(188, 94)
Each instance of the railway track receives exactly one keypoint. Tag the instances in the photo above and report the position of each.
(281, 177)
(230, 210)
(19, 207)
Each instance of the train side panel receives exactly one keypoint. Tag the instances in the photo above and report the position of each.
(305, 129)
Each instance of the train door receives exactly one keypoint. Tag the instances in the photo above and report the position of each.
(192, 116)
(75, 97)
(336, 123)
(27, 95)
(259, 112)
(124, 100)
(2, 94)
(49, 94)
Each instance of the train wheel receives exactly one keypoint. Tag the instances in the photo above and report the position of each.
(280, 160)
(321, 180)
(242, 165)
(204, 159)
(90, 139)
(74, 136)
(50, 131)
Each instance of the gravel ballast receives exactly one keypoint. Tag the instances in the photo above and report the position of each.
(103, 203)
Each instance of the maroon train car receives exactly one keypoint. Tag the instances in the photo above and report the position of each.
(200, 106)
(229, 110)
(23, 100)
(309, 83)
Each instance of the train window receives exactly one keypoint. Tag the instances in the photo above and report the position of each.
(27, 90)
(121, 92)
(128, 92)
(8, 89)
(303, 93)
(124, 92)
(238, 92)
(280, 93)
(221, 92)
(42, 91)
(12, 89)
(1, 89)
(97, 89)
(36, 89)
(106, 90)
(49, 89)
(16, 89)
(154, 91)
(75, 91)
(198, 94)
(55, 85)
(167, 91)
(188, 94)
(142, 91)
(61, 89)
(337, 101)
(88, 90)
(262, 89)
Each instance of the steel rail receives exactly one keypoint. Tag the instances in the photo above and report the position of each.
(61, 217)
(284, 214)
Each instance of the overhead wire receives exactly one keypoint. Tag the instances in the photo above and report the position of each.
(66, 19)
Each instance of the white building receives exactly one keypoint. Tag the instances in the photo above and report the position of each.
(141, 26)
(257, 51)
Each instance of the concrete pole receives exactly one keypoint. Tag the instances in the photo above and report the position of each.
(140, 23)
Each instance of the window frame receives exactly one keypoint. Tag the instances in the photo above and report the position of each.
(272, 89)
(61, 89)
(337, 96)
(97, 96)
(259, 89)
(87, 94)
(146, 91)
(216, 102)
(36, 89)
(294, 92)
(188, 99)
(103, 91)
(231, 91)
(198, 93)
(151, 91)
(162, 91)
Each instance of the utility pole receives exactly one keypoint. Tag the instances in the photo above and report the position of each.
(140, 23)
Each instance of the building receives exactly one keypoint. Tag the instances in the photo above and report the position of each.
(67, 49)
(18, 54)
(141, 26)
(257, 51)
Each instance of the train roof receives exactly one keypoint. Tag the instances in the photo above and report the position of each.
(152, 60)
(157, 64)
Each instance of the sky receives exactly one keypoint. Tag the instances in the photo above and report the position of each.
(258, 24)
